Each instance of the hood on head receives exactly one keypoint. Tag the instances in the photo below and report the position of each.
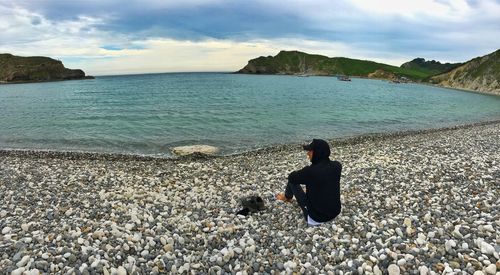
(320, 148)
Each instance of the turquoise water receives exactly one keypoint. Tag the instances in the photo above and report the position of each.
(148, 114)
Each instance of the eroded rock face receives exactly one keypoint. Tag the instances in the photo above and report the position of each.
(480, 74)
(193, 149)
(381, 74)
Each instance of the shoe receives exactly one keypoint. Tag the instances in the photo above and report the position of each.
(282, 197)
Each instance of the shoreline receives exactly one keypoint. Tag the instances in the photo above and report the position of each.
(389, 80)
(90, 155)
(413, 202)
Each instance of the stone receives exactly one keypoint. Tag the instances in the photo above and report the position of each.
(449, 245)
(43, 265)
(18, 271)
(456, 233)
(393, 269)
(487, 248)
(121, 271)
(6, 230)
(192, 149)
(491, 269)
(23, 261)
(18, 256)
(489, 228)
(423, 270)
(427, 217)
(168, 247)
(25, 226)
(454, 265)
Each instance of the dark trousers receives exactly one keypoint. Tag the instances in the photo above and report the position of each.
(295, 190)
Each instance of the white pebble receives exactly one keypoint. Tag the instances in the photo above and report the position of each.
(290, 265)
(423, 270)
(449, 244)
(121, 271)
(6, 230)
(489, 228)
(487, 248)
(456, 233)
(427, 217)
(25, 226)
(491, 269)
(393, 269)
(18, 271)
(23, 261)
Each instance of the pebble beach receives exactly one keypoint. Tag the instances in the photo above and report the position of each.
(422, 202)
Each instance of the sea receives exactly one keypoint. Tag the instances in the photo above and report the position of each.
(149, 114)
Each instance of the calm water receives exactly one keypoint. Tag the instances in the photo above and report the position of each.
(148, 114)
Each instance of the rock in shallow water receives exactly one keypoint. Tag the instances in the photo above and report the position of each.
(192, 149)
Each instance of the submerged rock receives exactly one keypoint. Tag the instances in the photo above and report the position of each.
(193, 149)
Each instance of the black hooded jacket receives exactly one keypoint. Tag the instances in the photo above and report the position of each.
(322, 179)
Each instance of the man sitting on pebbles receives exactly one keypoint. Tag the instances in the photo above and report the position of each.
(320, 202)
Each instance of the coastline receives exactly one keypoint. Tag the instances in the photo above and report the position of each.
(386, 79)
(459, 89)
(45, 81)
(404, 197)
(348, 140)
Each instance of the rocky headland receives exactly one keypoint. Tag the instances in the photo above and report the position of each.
(300, 63)
(424, 202)
(18, 69)
(481, 74)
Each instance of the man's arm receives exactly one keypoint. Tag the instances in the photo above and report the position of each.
(302, 176)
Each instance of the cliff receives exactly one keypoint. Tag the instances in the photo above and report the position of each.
(300, 63)
(480, 74)
(17, 69)
(431, 67)
(381, 74)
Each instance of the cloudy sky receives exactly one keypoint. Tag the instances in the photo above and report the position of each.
(140, 36)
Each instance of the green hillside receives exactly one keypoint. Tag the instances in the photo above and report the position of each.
(295, 62)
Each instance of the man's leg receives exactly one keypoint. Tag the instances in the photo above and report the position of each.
(297, 191)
